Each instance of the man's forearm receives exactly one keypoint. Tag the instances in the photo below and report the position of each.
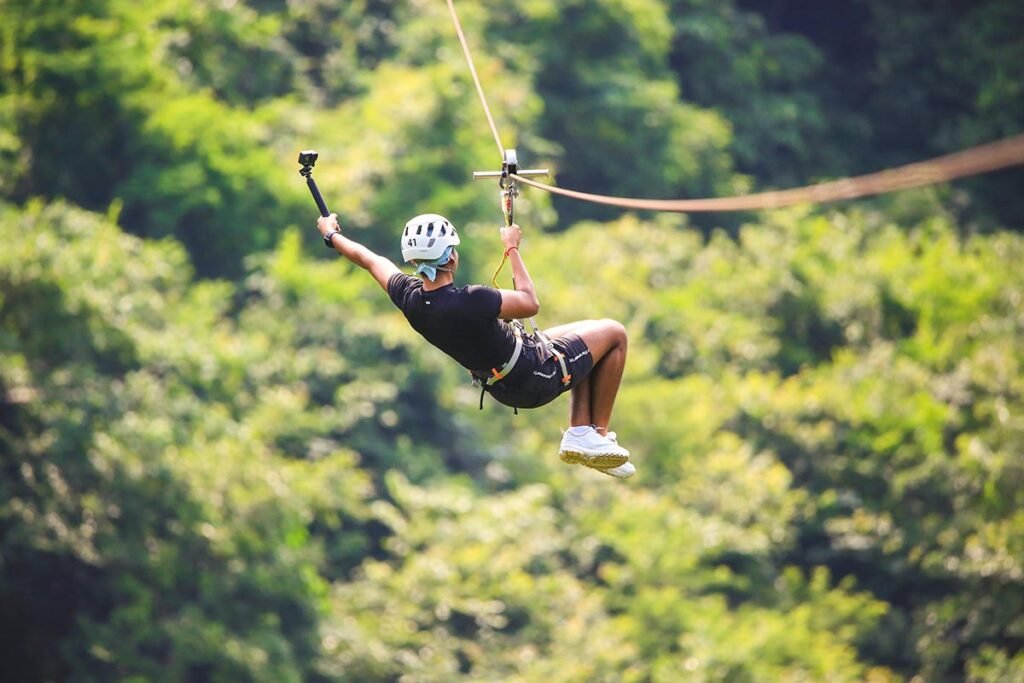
(521, 277)
(353, 251)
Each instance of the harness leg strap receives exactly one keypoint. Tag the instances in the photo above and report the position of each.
(558, 355)
(566, 377)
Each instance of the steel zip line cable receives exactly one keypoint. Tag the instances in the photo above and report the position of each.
(984, 158)
(476, 79)
(992, 156)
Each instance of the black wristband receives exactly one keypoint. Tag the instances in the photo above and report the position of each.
(330, 236)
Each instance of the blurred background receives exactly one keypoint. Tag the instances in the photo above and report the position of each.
(224, 456)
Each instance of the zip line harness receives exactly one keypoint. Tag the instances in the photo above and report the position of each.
(509, 190)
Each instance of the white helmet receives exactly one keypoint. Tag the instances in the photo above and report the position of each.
(427, 236)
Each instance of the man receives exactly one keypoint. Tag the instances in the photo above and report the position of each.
(471, 324)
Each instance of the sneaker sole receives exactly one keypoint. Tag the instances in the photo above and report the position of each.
(600, 461)
(610, 473)
(616, 476)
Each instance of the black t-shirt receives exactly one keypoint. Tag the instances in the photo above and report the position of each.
(461, 321)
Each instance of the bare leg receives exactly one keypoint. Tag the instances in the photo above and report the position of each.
(579, 404)
(593, 398)
(568, 328)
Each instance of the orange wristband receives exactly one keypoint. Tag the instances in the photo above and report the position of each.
(510, 249)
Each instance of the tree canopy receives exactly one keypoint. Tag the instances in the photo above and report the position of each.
(226, 457)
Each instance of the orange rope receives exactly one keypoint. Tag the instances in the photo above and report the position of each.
(972, 161)
(497, 271)
(476, 79)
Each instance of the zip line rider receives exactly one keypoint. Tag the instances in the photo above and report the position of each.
(472, 325)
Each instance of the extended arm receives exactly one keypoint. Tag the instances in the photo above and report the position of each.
(379, 267)
(521, 302)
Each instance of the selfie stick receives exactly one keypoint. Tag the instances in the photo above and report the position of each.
(308, 159)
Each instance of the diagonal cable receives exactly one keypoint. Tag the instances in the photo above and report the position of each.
(476, 79)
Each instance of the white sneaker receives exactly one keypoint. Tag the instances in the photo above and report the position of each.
(623, 471)
(592, 449)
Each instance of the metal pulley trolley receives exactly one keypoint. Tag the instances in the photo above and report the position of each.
(507, 183)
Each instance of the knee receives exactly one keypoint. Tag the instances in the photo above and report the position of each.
(617, 331)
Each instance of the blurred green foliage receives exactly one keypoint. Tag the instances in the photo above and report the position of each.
(224, 457)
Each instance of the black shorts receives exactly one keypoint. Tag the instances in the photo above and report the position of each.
(536, 379)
